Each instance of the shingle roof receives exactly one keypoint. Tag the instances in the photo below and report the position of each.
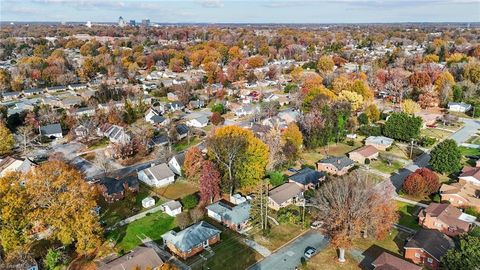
(338, 162)
(157, 119)
(235, 214)
(181, 129)
(159, 172)
(432, 241)
(471, 171)
(307, 176)
(381, 140)
(366, 151)
(114, 186)
(387, 261)
(192, 236)
(141, 257)
(284, 192)
(172, 205)
(447, 213)
(51, 129)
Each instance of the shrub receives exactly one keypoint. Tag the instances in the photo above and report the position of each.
(218, 107)
(472, 211)
(362, 119)
(276, 178)
(426, 141)
(436, 198)
(351, 142)
(370, 130)
(189, 201)
(290, 87)
(290, 214)
(217, 119)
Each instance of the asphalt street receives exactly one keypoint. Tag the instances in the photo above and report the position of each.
(288, 257)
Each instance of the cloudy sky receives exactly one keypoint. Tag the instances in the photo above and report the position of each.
(236, 11)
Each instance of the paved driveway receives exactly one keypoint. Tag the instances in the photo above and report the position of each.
(288, 257)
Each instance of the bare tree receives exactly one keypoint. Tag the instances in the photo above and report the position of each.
(183, 220)
(348, 207)
(102, 162)
(26, 132)
(196, 215)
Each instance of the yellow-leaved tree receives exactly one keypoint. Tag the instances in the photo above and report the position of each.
(241, 157)
(7, 142)
(356, 100)
(411, 107)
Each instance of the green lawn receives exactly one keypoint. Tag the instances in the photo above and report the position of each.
(435, 133)
(183, 144)
(230, 253)
(406, 215)
(278, 235)
(103, 142)
(383, 166)
(469, 151)
(153, 226)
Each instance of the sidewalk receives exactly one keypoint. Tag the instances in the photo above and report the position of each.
(400, 199)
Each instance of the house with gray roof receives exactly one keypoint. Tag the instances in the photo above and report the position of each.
(116, 134)
(307, 178)
(32, 91)
(379, 142)
(176, 163)
(51, 131)
(233, 216)
(139, 258)
(335, 165)
(157, 175)
(285, 195)
(198, 122)
(191, 240)
(7, 96)
(427, 247)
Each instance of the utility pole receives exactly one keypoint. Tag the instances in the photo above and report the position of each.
(411, 149)
(303, 215)
(266, 208)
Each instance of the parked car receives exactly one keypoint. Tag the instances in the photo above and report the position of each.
(292, 170)
(309, 252)
(316, 224)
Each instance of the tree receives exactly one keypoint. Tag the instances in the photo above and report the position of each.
(273, 139)
(183, 220)
(219, 108)
(240, 156)
(193, 164)
(7, 142)
(410, 107)
(419, 79)
(293, 134)
(196, 215)
(372, 113)
(361, 87)
(446, 157)
(52, 259)
(416, 185)
(355, 100)
(209, 185)
(63, 201)
(349, 208)
(445, 79)
(325, 64)
(465, 255)
(403, 127)
(217, 119)
(189, 201)
(471, 72)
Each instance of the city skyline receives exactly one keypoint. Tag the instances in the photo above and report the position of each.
(218, 11)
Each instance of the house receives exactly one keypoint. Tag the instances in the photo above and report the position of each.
(335, 165)
(54, 89)
(153, 116)
(426, 247)
(172, 96)
(285, 195)
(182, 131)
(198, 122)
(114, 189)
(307, 178)
(157, 176)
(114, 133)
(11, 164)
(246, 110)
(367, 152)
(51, 131)
(461, 194)
(196, 104)
(459, 107)
(85, 111)
(379, 142)
(174, 106)
(77, 86)
(445, 218)
(172, 208)
(9, 96)
(160, 140)
(191, 240)
(470, 175)
(141, 258)
(387, 261)
(148, 202)
(233, 216)
(176, 163)
(32, 92)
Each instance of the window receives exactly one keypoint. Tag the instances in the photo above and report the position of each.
(417, 255)
(429, 260)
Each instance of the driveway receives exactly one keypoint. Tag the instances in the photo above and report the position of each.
(288, 257)
(460, 136)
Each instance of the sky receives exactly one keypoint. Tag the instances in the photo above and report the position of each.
(236, 11)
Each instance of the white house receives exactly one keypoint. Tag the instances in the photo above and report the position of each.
(198, 122)
(176, 163)
(459, 107)
(157, 176)
(148, 202)
(154, 117)
(51, 131)
(172, 208)
(116, 134)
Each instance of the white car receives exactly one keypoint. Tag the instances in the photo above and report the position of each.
(309, 252)
(316, 224)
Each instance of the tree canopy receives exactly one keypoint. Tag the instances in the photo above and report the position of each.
(446, 157)
(402, 127)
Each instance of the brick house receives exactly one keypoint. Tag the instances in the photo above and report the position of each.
(387, 261)
(191, 240)
(445, 218)
(114, 189)
(233, 216)
(366, 152)
(139, 258)
(335, 165)
(307, 178)
(461, 194)
(470, 175)
(426, 247)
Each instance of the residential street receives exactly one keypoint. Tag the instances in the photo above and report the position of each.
(288, 257)
(471, 126)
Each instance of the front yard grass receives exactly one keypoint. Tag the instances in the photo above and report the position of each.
(370, 248)
(184, 144)
(153, 226)
(438, 134)
(469, 151)
(101, 143)
(385, 167)
(88, 156)
(230, 253)
(407, 215)
(177, 190)
(278, 235)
